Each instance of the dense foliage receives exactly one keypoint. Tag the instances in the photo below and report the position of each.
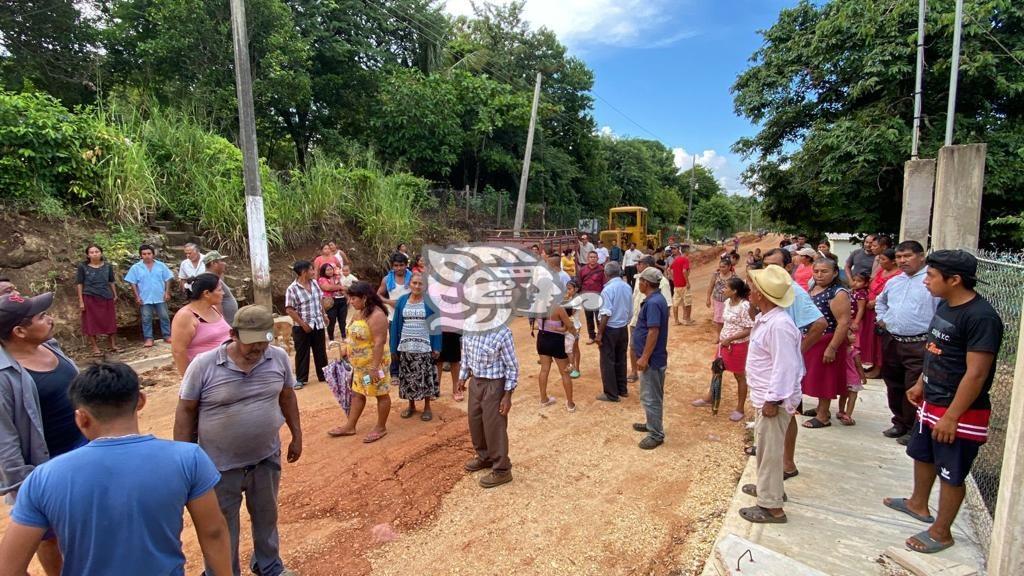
(832, 92)
(428, 97)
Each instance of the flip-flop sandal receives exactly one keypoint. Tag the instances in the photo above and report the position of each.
(570, 409)
(736, 416)
(900, 505)
(551, 400)
(751, 451)
(700, 403)
(458, 397)
(336, 433)
(759, 515)
(751, 490)
(929, 544)
(427, 416)
(407, 413)
(788, 475)
(814, 423)
(374, 436)
(97, 354)
(810, 412)
(846, 420)
(116, 349)
(632, 378)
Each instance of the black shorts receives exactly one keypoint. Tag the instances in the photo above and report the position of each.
(952, 461)
(551, 344)
(451, 347)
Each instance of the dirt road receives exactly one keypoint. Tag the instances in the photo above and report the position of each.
(585, 499)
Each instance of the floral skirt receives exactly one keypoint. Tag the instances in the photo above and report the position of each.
(417, 376)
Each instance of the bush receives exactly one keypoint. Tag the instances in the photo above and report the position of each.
(46, 151)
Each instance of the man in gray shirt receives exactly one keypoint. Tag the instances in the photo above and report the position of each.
(861, 259)
(217, 264)
(233, 400)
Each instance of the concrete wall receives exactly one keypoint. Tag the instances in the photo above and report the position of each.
(918, 185)
(959, 181)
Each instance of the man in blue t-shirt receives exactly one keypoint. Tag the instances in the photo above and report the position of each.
(116, 503)
(650, 341)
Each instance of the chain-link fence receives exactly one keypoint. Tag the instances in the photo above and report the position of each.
(1003, 286)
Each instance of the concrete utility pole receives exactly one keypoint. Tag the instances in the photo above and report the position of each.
(954, 70)
(250, 159)
(517, 228)
(922, 9)
(693, 185)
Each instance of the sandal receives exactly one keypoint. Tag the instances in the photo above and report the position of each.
(97, 354)
(928, 545)
(116, 349)
(759, 515)
(374, 436)
(845, 419)
(574, 374)
(788, 475)
(458, 397)
(751, 490)
(427, 416)
(814, 423)
(407, 413)
(736, 416)
(570, 409)
(338, 432)
(810, 412)
(700, 403)
(900, 505)
(632, 378)
(551, 400)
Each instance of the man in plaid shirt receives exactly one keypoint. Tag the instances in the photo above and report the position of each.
(489, 360)
(303, 301)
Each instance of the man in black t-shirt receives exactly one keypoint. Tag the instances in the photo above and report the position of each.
(952, 395)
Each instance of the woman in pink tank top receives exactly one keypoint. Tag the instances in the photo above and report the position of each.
(199, 326)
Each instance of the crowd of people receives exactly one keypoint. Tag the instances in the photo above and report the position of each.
(70, 438)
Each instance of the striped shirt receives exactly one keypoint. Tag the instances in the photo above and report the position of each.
(308, 303)
(490, 355)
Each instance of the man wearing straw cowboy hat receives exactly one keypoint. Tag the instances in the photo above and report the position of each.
(774, 369)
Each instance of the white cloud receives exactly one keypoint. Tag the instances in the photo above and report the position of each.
(606, 131)
(622, 23)
(726, 172)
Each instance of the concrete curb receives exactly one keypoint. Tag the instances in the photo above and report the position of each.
(146, 364)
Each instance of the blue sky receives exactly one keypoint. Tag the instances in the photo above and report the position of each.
(664, 67)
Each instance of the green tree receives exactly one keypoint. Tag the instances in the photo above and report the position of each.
(832, 93)
(715, 216)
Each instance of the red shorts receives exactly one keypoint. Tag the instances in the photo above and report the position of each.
(735, 357)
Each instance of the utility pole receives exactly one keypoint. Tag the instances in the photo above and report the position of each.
(250, 160)
(751, 226)
(693, 184)
(954, 70)
(517, 228)
(922, 9)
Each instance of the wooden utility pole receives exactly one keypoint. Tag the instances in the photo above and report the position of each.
(250, 159)
(517, 227)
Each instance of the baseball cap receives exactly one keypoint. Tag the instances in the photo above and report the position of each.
(213, 256)
(15, 309)
(954, 262)
(254, 324)
(809, 252)
(652, 275)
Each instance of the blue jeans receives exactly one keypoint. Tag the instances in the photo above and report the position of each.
(652, 398)
(147, 320)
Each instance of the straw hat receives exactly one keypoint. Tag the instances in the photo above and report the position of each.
(775, 283)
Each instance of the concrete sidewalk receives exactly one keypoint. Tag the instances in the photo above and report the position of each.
(837, 522)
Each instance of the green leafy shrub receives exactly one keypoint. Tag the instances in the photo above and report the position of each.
(45, 150)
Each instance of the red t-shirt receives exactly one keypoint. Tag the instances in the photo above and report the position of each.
(680, 266)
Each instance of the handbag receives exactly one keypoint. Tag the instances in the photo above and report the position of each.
(339, 379)
(327, 302)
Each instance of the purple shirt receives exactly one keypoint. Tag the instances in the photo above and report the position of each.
(774, 363)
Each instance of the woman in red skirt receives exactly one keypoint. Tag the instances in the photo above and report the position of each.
(733, 341)
(96, 298)
(869, 341)
(825, 362)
